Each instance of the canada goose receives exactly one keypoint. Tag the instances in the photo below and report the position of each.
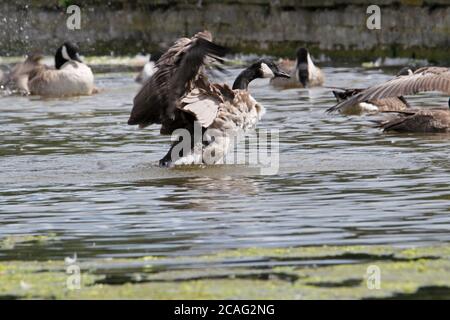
(148, 70)
(429, 120)
(70, 77)
(304, 73)
(179, 95)
(414, 120)
(372, 106)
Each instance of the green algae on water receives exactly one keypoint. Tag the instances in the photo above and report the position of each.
(325, 272)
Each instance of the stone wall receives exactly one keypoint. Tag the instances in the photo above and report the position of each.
(412, 28)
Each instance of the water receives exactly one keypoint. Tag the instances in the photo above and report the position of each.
(74, 169)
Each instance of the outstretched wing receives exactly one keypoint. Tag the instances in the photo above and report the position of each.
(178, 70)
(423, 79)
(202, 106)
(23, 72)
(204, 102)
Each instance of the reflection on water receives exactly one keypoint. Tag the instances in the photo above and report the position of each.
(73, 168)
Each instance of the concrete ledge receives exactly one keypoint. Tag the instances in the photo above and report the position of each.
(412, 28)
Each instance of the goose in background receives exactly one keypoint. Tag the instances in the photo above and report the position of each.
(149, 69)
(371, 106)
(3, 90)
(304, 73)
(2, 81)
(179, 95)
(413, 119)
(69, 77)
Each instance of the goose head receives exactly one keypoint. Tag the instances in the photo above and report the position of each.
(266, 68)
(35, 58)
(263, 68)
(405, 71)
(67, 52)
(340, 95)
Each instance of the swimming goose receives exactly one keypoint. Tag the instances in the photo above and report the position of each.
(148, 70)
(429, 120)
(179, 95)
(71, 77)
(423, 79)
(16, 81)
(414, 120)
(372, 106)
(304, 73)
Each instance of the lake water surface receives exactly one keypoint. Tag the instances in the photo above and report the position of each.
(73, 168)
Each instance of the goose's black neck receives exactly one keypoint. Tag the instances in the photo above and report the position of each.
(59, 59)
(245, 77)
(449, 103)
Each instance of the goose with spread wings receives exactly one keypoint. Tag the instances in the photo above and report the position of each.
(414, 119)
(180, 96)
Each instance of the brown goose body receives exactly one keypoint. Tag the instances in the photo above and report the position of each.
(159, 101)
(371, 106)
(72, 79)
(423, 79)
(304, 73)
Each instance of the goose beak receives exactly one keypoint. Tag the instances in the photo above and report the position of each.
(281, 74)
(77, 58)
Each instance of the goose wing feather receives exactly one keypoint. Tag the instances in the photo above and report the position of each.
(22, 72)
(203, 107)
(423, 79)
(178, 70)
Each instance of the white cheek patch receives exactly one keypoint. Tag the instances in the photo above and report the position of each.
(267, 72)
(368, 107)
(65, 54)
